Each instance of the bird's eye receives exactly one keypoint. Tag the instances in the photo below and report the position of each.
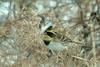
(51, 34)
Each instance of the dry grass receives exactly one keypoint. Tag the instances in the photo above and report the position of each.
(32, 51)
(26, 48)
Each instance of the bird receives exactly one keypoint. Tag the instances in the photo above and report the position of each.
(48, 35)
(53, 40)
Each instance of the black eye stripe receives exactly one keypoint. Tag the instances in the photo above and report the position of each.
(51, 34)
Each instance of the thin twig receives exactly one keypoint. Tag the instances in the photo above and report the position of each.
(93, 41)
(80, 58)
